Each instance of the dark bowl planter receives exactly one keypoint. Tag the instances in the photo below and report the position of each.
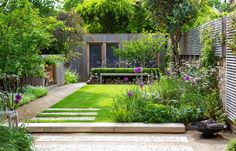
(208, 127)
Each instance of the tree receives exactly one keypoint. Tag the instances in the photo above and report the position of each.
(46, 7)
(106, 16)
(71, 4)
(142, 52)
(69, 37)
(23, 33)
(174, 17)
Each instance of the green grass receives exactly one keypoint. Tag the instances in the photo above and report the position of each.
(91, 96)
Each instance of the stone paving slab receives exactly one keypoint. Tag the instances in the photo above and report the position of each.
(73, 109)
(81, 147)
(65, 118)
(107, 127)
(116, 138)
(68, 113)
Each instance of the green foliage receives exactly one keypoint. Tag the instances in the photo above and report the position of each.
(97, 71)
(231, 145)
(169, 89)
(176, 17)
(46, 7)
(156, 113)
(15, 139)
(143, 50)
(71, 4)
(115, 16)
(232, 44)
(71, 76)
(53, 59)
(23, 32)
(31, 93)
(187, 113)
(207, 58)
(186, 97)
(38, 91)
(69, 37)
(106, 15)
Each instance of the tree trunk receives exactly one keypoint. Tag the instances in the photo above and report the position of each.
(175, 39)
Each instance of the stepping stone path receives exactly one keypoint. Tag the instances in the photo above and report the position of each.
(67, 114)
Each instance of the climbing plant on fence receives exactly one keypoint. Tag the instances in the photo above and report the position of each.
(207, 52)
(232, 44)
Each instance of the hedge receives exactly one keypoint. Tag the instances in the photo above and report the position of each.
(97, 71)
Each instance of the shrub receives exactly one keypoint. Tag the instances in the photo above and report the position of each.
(186, 113)
(31, 93)
(127, 108)
(156, 113)
(38, 91)
(97, 71)
(71, 76)
(27, 97)
(15, 139)
(169, 88)
(231, 145)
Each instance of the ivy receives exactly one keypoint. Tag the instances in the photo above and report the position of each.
(232, 44)
(207, 58)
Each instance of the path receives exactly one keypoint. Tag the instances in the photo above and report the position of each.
(191, 141)
(30, 110)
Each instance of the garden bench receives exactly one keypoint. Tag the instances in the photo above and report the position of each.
(121, 74)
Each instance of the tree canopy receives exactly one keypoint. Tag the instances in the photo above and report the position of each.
(114, 16)
(23, 33)
(177, 16)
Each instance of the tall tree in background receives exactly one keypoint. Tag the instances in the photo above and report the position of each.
(106, 16)
(116, 16)
(175, 17)
(69, 38)
(71, 4)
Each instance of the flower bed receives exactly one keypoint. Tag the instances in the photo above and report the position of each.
(122, 75)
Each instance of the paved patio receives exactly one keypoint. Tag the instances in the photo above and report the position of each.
(191, 141)
(30, 110)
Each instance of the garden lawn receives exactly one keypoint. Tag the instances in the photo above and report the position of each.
(91, 96)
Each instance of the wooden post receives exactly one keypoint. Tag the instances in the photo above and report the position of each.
(104, 55)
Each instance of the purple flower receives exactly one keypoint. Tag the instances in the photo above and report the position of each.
(168, 73)
(18, 97)
(187, 78)
(130, 94)
(138, 70)
(17, 101)
(126, 79)
(141, 84)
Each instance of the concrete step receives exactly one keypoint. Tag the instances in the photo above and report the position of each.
(106, 127)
